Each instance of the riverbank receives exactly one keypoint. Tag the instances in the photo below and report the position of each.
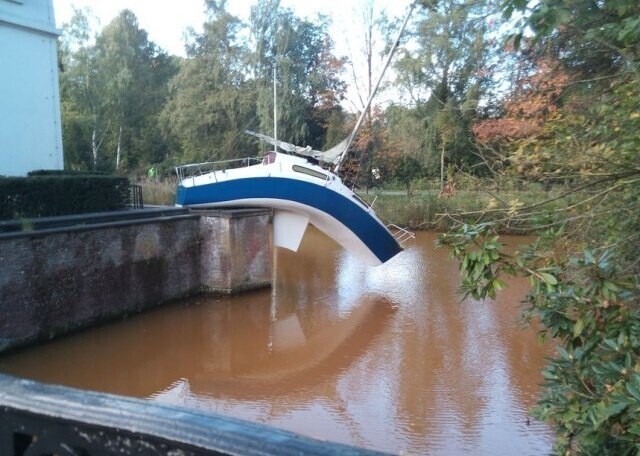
(427, 209)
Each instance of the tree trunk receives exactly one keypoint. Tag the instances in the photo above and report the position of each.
(94, 147)
(119, 148)
(442, 167)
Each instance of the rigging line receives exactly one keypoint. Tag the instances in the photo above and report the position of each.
(375, 89)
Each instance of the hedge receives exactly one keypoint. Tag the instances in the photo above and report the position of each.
(65, 172)
(60, 194)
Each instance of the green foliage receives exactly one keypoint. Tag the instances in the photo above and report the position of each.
(211, 100)
(124, 109)
(134, 73)
(407, 170)
(589, 305)
(481, 260)
(76, 134)
(309, 87)
(446, 77)
(112, 92)
(225, 87)
(583, 268)
(593, 37)
(51, 194)
(402, 125)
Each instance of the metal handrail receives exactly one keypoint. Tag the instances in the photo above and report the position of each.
(401, 235)
(135, 196)
(198, 169)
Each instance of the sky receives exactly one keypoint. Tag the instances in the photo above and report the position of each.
(167, 21)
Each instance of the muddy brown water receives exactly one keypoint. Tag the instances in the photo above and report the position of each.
(386, 358)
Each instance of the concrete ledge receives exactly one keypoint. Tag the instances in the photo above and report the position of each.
(239, 212)
(91, 219)
(50, 419)
(62, 279)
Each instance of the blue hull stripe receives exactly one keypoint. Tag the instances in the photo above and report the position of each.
(359, 221)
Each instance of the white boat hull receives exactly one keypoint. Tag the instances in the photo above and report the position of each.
(298, 198)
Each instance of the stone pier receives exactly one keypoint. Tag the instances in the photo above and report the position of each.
(56, 279)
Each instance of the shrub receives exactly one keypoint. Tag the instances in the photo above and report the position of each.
(52, 194)
(64, 172)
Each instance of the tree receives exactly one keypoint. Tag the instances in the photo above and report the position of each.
(370, 141)
(212, 100)
(83, 112)
(112, 92)
(583, 267)
(407, 170)
(309, 86)
(375, 27)
(131, 68)
(593, 37)
(535, 98)
(445, 76)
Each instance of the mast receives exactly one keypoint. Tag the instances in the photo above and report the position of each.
(275, 110)
(352, 136)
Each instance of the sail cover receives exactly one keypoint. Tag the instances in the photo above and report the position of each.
(331, 156)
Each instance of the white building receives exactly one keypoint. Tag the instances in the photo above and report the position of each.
(30, 125)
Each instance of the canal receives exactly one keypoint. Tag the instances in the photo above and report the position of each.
(386, 358)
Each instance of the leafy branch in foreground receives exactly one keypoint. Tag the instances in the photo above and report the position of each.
(583, 268)
(589, 306)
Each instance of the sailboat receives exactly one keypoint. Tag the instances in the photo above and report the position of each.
(299, 190)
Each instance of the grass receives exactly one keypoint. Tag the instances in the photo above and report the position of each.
(159, 191)
(425, 210)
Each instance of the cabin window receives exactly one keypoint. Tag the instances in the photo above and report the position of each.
(310, 172)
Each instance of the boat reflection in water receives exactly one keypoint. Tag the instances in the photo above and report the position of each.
(387, 358)
(289, 361)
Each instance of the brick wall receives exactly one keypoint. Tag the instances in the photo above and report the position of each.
(57, 281)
